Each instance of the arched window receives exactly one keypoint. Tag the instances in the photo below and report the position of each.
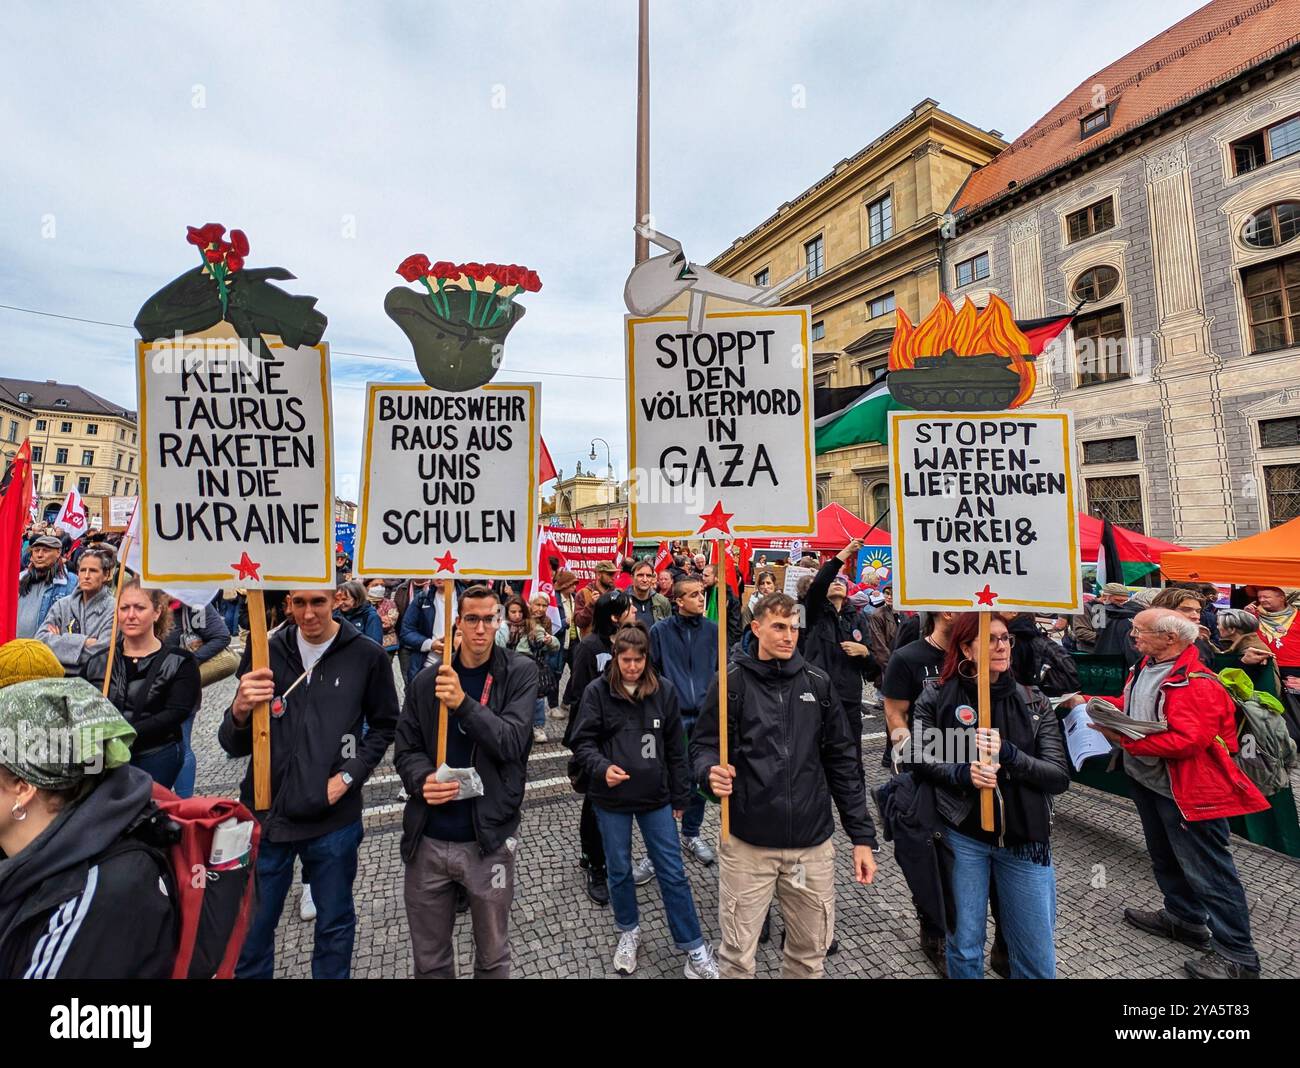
(823, 495)
(875, 501)
(1096, 283)
(1272, 226)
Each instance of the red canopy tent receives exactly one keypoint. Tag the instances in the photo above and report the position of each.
(836, 527)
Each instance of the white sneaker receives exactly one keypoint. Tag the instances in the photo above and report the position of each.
(539, 734)
(702, 964)
(306, 907)
(625, 955)
(699, 849)
(643, 871)
(558, 713)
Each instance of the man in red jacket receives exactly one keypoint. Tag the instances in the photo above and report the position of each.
(1186, 785)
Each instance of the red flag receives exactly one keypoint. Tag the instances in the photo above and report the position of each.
(623, 551)
(15, 514)
(663, 558)
(546, 466)
(545, 581)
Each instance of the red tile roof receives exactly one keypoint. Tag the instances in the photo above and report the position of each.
(1213, 44)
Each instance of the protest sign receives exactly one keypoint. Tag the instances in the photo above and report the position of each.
(449, 481)
(874, 563)
(345, 538)
(238, 465)
(984, 513)
(583, 548)
(793, 574)
(115, 512)
(720, 425)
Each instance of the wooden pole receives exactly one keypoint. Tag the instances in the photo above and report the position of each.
(985, 717)
(720, 578)
(123, 549)
(261, 657)
(447, 587)
(643, 126)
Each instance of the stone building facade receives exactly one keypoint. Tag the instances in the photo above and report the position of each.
(869, 234)
(1179, 223)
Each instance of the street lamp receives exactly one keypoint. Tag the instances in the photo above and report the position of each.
(609, 470)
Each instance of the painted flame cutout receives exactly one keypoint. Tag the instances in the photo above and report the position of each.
(969, 332)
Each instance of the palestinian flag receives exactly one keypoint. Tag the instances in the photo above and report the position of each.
(859, 415)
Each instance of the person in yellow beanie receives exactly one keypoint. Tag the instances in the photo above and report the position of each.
(25, 659)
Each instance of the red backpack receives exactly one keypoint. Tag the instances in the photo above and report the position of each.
(214, 901)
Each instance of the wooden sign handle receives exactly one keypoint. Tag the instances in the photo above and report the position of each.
(447, 588)
(985, 717)
(261, 658)
(117, 600)
(720, 579)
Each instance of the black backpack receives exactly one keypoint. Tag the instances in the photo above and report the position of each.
(1058, 675)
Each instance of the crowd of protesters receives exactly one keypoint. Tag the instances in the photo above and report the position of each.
(630, 662)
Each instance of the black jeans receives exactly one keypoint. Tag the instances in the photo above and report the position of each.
(593, 846)
(1194, 870)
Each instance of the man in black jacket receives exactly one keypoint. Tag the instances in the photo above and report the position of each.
(446, 842)
(832, 640)
(790, 754)
(321, 754)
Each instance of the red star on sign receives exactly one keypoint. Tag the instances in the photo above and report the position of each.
(716, 520)
(985, 596)
(446, 562)
(246, 568)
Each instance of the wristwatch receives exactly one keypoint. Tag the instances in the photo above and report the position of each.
(347, 779)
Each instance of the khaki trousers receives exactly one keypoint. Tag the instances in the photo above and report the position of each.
(803, 881)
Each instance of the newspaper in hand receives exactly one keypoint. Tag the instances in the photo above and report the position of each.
(1104, 714)
(470, 783)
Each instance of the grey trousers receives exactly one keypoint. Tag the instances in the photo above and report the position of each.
(430, 892)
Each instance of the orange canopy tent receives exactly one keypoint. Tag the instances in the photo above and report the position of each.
(1270, 559)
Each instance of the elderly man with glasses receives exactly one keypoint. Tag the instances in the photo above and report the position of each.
(1186, 786)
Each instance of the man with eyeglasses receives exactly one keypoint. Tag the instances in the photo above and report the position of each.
(448, 840)
(333, 714)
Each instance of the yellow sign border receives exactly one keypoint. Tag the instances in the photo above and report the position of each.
(632, 321)
(326, 579)
(896, 493)
(373, 389)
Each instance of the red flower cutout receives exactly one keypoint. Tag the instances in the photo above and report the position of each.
(531, 282)
(239, 242)
(234, 262)
(213, 255)
(445, 269)
(475, 271)
(414, 267)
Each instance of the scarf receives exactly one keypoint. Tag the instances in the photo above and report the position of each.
(516, 631)
(1274, 625)
(1026, 824)
(32, 576)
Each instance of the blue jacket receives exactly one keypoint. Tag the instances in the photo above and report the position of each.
(62, 584)
(366, 620)
(417, 627)
(685, 652)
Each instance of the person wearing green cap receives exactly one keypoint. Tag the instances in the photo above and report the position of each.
(73, 835)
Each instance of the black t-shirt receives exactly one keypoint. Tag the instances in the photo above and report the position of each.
(454, 821)
(909, 668)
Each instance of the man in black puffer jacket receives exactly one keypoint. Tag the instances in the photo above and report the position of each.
(448, 841)
(327, 736)
(790, 754)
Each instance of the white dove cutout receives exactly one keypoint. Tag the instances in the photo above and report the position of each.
(656, 283)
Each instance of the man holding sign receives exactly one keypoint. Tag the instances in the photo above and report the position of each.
(333, 714)
(790, 753)
(450, 835)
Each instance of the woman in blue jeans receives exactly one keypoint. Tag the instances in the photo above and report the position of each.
(1021, 757)
(628, 738)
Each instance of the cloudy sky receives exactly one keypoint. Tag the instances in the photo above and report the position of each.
(342, 137)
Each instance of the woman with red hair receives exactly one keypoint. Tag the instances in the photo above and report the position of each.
(1021, 757)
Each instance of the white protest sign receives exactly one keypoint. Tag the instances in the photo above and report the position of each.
(120, 510)
(449, 481)
(793, 574)
(720, 425)
(984, 511)
(237, 462)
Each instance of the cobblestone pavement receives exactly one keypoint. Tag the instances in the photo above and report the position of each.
(1101, 866)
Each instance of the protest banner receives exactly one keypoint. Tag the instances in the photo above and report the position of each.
(115, 513)
(583, 548)
(345, 539)
(449, 481)
(790, 580)
(720, 424)
(73, 516)
(875, 563)
(984, 512)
